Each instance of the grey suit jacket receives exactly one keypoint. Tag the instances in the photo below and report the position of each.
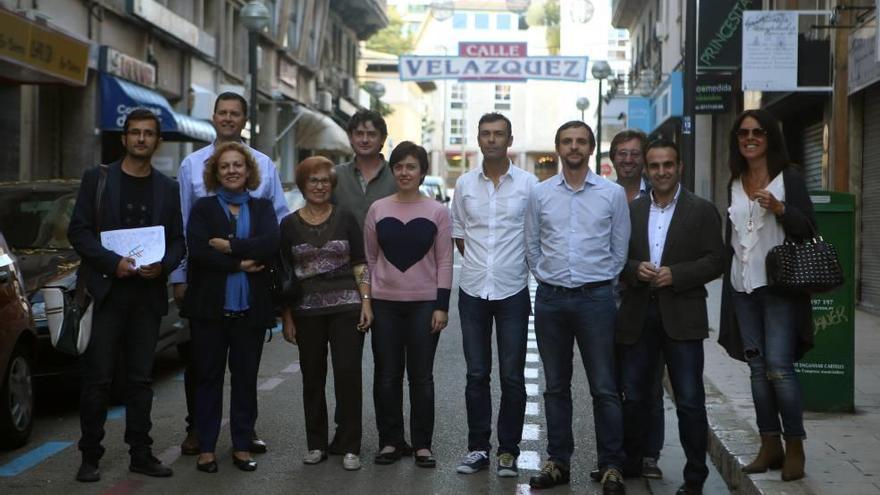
(693, 252)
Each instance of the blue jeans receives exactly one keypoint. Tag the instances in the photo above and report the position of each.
(588, 315)
(684, 360)
(402, 339)
(511, 317)
(769, 337)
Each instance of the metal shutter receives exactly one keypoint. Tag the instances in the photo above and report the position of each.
(870, 209)
(812, 156)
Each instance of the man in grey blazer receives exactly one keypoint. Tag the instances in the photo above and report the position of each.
(675, 248)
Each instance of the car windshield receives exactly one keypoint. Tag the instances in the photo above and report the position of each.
(36, 219)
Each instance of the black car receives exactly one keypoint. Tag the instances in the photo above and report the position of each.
(34, 217)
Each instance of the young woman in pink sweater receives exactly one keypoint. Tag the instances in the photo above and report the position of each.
(408, 243)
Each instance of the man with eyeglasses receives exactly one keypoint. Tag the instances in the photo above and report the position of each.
(230, 115)
(129, 298)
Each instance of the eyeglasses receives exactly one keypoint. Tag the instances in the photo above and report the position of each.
(318, 181)
(139, 132)
(756, 132)
(624, 154)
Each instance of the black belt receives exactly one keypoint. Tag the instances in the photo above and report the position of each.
(580, 288)
(235, 314)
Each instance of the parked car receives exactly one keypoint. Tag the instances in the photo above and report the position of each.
(17, 338)
(435, 187)
(34, 217)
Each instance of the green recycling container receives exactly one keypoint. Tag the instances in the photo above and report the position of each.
(827, 372)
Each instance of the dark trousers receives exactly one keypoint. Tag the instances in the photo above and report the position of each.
(184, 350)
(215, 341)
(402, 339)
(655, 431)
(313, 335)
(511, 317)
(586, 316)
(684, 361)
(124, 330)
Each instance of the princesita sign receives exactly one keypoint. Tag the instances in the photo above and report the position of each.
(431, 68)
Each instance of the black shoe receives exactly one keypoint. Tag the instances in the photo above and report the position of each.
(612, 483)
(334, 448)
(208, 467)
(149, 466)
(385, 458)
(257, 446)
(245, 464)
(426, 461)
(406, 450)
(190, 445)
(596, 474)
(88, 472)
(551, 474)
(690, 489)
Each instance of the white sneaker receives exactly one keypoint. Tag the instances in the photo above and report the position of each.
(351, 462)
(314, 456)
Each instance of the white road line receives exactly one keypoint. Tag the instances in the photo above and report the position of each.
(532, 389)
(531, 431)
(533, 408)
(293, 368)
(169, 455)
(533, 358)
(532, 336)
(271, 383)
(531, 327)
(532, 344)
(529, 460)
(531, 372)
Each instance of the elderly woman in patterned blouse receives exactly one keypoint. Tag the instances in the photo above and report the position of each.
(323, 245)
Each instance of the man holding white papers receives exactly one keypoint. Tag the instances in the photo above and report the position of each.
(129, 300)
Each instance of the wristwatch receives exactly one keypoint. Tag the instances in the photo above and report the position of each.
(365, 296)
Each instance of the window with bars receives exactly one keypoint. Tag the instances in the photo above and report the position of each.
(456, 96)
(502, 97)
(456, 131)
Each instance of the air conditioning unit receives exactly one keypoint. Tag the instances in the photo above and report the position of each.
(325, 101)
(321, 78)
(350, 89)
(660, 31)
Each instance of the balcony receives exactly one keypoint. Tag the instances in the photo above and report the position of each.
(364, 16)
(624, 13)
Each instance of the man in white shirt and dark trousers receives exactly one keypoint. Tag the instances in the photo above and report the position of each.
(577, 230)
(230, 115)
(675, 249)
(488, 212)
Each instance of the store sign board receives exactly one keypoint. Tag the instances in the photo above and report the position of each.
(713, 94)
(864, 67)
(167, 20)
(719, 45)
(127, 67)
(433, 68)
(43, 49)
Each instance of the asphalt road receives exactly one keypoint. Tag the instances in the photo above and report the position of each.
(48, 463)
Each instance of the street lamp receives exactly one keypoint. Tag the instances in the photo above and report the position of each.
(376, 91)
(255, 17)
(581, 11)
(518, 6)
(442, 9)
(582, 104)
(601, 70)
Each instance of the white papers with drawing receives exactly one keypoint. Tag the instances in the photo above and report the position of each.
(145, 245)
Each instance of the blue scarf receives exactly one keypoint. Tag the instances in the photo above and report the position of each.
(237, 287)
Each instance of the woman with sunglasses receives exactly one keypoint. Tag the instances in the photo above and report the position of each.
(408, 242)
(324, 247)
(761, 325)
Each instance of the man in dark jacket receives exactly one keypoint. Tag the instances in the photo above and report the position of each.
(130, 298)
(674, 250)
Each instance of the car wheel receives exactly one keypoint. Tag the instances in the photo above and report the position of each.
(17, 396)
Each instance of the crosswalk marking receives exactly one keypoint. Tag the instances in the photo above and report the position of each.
(532, 358)
(531, 389)
(531, 431)
(531, 373)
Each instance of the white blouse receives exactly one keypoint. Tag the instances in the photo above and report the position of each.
(755, 232)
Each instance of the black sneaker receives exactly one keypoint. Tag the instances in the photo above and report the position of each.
(551, 474)
(149, 466)
(650, 469)
(88, 472)
(612, 483)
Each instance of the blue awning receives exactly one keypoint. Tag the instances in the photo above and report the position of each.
(120, 97)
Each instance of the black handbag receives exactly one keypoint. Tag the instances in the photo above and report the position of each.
(808, 266)
(285, 287)
(72, 333)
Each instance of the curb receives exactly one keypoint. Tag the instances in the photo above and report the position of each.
(733, 443)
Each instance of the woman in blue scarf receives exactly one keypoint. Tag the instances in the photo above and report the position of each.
(230, 238)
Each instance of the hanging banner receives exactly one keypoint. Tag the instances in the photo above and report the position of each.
(719, 45)
(432, 68)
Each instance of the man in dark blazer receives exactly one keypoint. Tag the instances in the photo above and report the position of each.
(129, 299)
(674, 250)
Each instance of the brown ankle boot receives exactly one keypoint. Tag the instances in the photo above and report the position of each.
(793, 467)
(770, 456)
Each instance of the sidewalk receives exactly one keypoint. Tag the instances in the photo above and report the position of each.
(843, 450)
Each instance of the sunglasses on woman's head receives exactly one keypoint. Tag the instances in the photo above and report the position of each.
(758, 132)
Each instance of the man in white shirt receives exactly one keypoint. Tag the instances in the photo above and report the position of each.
(230, 115)
(487, 225)
(674, 250)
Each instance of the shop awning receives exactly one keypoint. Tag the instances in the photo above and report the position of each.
(316, 131)
(119, 97)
